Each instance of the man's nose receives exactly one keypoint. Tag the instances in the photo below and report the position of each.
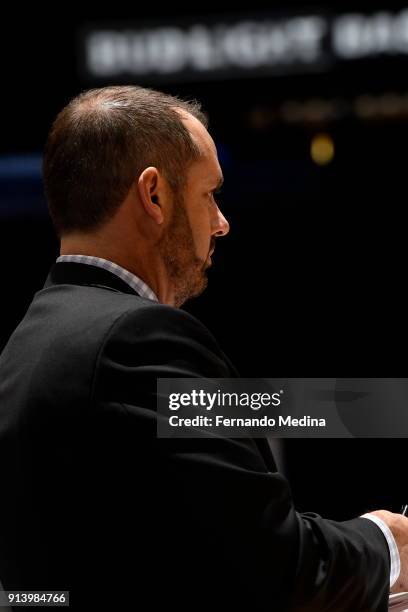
(221, 225)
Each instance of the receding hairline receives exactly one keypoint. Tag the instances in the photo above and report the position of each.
(120, 97)
(198, 132)
(101, 102)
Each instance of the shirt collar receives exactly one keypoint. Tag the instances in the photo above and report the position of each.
(128, 277)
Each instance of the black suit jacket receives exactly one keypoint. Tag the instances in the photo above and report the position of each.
(93, 502)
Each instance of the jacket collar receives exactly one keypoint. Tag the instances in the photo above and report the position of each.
(71, 273)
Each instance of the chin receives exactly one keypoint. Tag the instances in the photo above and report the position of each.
(191, 291)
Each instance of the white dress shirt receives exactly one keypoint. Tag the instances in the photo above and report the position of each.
(392, 545)
(131, 279)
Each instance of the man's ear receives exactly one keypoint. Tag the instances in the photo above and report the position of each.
(151, 190)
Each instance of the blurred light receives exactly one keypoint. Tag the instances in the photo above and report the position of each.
(20, 167)
(292, 111)
(322, 149)
(260, 44)
(391, 105)
(366, 107)
(201, 47)
(262, 118)
(317, 110)
(356, 36)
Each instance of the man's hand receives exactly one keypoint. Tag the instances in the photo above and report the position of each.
(398, 526)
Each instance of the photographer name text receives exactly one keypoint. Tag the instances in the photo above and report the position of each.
(222, 421)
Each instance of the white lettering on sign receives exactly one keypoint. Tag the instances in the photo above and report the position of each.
(359, 36)
(247, 44)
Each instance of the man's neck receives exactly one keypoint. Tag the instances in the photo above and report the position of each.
(154, 276)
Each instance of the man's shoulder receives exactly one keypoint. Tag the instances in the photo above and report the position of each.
(153, 342)
(94, 305)
(78, 327)
(70, 319)
(169, 338)
(111, 313)
(164, 328)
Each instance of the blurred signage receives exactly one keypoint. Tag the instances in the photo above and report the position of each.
(232, 47)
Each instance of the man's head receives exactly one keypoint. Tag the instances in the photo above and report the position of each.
(130, 174)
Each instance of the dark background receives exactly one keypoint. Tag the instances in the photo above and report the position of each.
(311, 280)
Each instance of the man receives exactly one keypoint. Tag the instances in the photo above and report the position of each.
(92, 501)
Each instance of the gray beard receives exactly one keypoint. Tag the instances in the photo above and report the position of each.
(186, 271)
